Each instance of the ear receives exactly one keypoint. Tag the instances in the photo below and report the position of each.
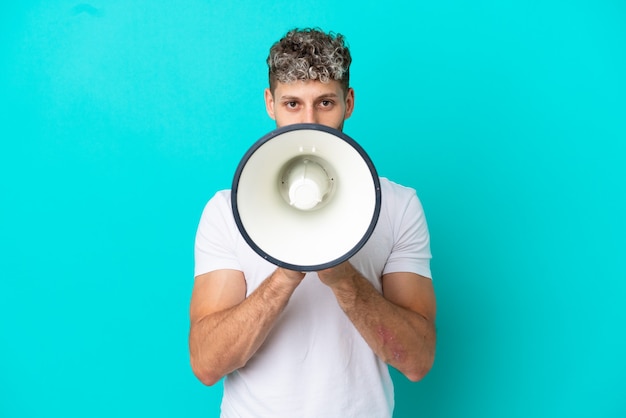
(349, 102)
(269, 103)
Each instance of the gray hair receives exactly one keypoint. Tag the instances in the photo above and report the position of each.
(309, 54)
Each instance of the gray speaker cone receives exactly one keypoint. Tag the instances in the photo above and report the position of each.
(306, 197)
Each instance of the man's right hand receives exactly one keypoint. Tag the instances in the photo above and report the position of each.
(291, 274)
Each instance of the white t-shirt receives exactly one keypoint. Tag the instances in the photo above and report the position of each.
(314, 363)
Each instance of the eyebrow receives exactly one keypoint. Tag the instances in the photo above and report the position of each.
(323, 96)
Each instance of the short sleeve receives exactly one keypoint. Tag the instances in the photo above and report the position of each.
(216, 238)
(411, 248)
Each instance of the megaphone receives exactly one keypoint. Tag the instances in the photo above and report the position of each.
(306, 197)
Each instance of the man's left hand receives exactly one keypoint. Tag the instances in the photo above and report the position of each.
(332, 276)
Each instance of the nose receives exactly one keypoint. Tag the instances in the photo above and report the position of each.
(309, 116)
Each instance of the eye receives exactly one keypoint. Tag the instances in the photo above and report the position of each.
(326, 104)
(291, 105)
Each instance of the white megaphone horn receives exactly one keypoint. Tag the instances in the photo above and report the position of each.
(306, 197)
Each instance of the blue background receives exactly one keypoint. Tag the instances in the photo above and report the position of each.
(120, 119)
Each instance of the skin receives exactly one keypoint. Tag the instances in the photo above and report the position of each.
(227, 328)
(310, 102)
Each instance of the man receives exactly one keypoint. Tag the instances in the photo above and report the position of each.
(317, 344)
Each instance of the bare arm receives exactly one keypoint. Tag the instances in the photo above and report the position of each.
(226, 327)
(399, 326)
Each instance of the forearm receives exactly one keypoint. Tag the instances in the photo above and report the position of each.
(400, 337)
(224, 341)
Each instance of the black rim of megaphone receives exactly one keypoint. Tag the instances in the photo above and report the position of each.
(268, 137)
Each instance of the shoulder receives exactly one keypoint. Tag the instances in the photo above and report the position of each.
(395, 190)
(219, 202)
(217, 212)
(396, 196)
(220, 197)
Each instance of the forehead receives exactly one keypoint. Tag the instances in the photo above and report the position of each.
(307, 89)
